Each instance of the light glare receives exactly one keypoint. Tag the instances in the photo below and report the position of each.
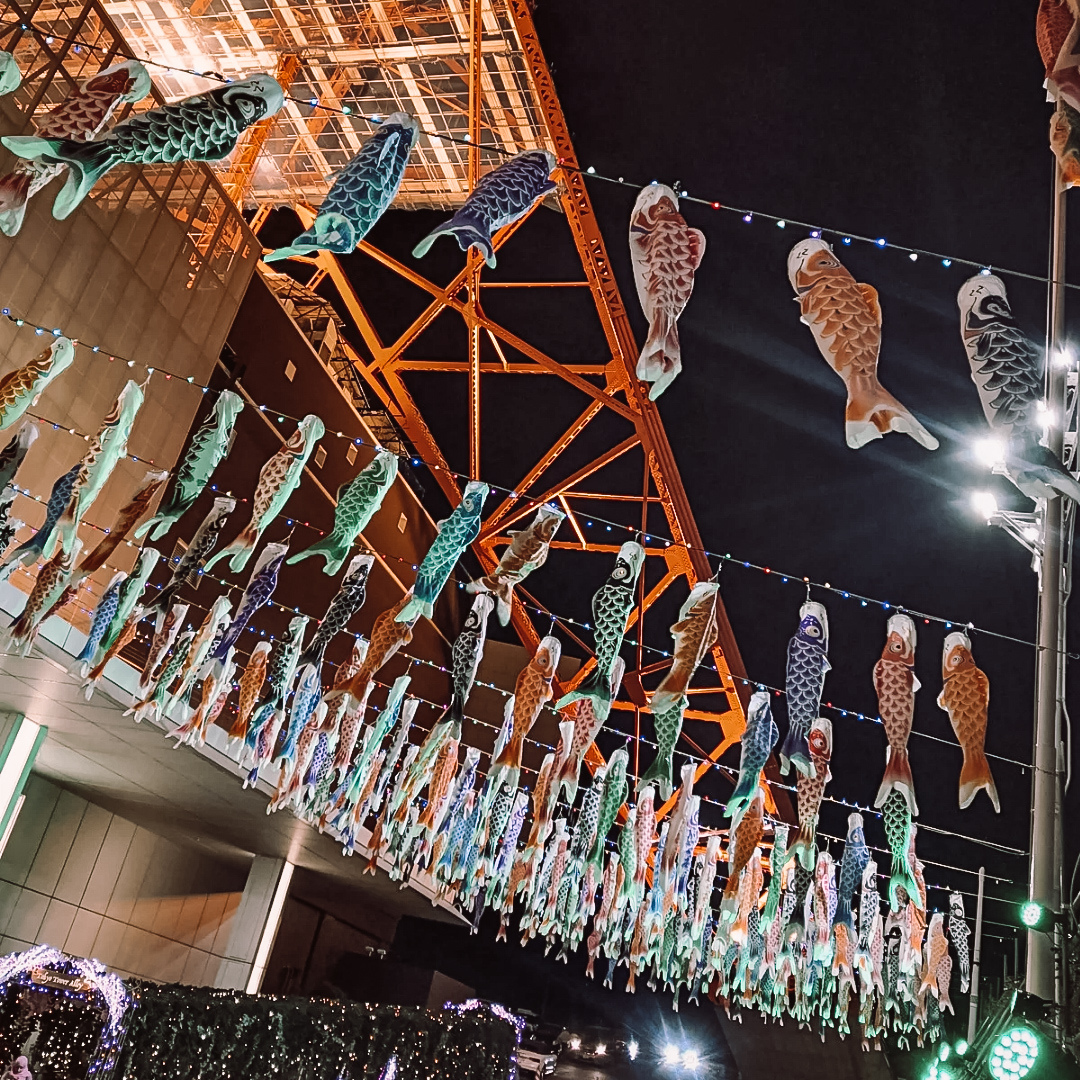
(690, 1059)
(990, 452)
(984, 504)
(671, 1054)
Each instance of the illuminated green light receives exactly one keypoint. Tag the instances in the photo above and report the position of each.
(961, 1047)
(1013, 1055)
(943, 1051)
(1031, 914)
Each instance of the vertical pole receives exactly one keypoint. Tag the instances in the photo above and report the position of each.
(973, 997)
(1044, 886)
(476, 59)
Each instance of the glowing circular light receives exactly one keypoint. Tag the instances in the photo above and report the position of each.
(943, 1051)
(990, 452)
(961, 1047)
(1031, 913)
(1013, 1055)
(671, 1054)
(601, 1049)
(690, 1059)
(632, 1049)
(575, 1043)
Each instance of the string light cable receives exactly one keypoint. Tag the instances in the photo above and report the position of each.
(846, 237)
(590, 521)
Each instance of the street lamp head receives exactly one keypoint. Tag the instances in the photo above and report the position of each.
(984, 504)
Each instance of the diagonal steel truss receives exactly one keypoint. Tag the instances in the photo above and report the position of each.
(608, 389)
(472, 72)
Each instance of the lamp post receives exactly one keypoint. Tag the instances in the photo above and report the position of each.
(1044, 954)
(1046, 532)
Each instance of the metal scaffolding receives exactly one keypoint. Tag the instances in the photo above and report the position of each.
(464, 68)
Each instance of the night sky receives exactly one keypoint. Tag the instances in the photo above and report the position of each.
(927, 128)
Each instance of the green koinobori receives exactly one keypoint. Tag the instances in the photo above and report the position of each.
(361, 192)
(456, 533)
(208, 447)
(107, 448)
(611, 605)
(204, 127)
(357, 502)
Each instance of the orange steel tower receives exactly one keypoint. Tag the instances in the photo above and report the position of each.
(466, 68)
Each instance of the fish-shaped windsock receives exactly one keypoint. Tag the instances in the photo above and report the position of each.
(126, 517)
(587, 725)
(208, 447)
(204, 127)
(278, 479)
(611, 799)
(959, 934)
(758, 740)
(11, 459)
(51, 581)
(532, 691)
(1065, 143)
(103, 615)
(966, 698)
(346, 603)
(456, 533)
(130, 593)
(528, 551)
(807, 663)
(361, 192)
(201, 544)
(10, 75)
(611, 605)
(387, 636)
(1007, 369)
(80, 116)
(357, 502)
(107, 448)
(845, 318)
(665, 253)
(162, 642)
(49, 584)
(809, 789)
(28, 551)
(745, 840)
(259, 589)
(852, 864)
(14, 453)
(466, 654)
(1059, 48)
(19, 388)
(896, 817)
(895, 683)
(502, 196)
(693, 634)
(667, 724)
(251, 684)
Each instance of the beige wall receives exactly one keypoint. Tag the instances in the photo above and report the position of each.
(151, 267)
(83, 880)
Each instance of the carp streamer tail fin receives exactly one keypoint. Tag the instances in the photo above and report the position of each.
(898, 778)
(975, 776)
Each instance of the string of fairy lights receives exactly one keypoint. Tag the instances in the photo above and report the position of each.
(537, 610)
(746, 214)
(590, 521)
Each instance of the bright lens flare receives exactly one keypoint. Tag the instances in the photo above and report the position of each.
(690, 1059)
(601, 1049)
(984, 504)
(632, 1049)
(990, 452)
(671, 1054)
(575, 1043)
